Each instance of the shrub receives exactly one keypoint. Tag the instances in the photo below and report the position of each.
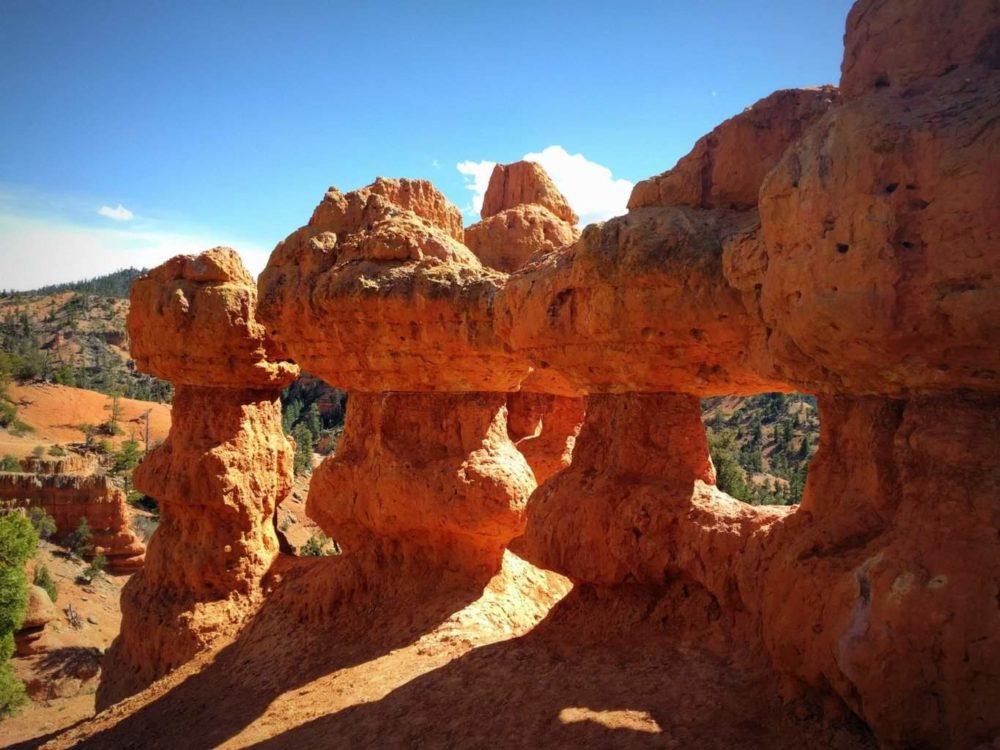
(96, 568)
(38, 451)
(317, 546)
(10, 463)
(57, 451)
(17, 428)
(78, 541)
(45, 525)
(44, 579)
(18, 542)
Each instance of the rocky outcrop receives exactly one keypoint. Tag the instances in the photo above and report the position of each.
(71, 463)
(524, 183)
(390, 308)
(375, 296)
(69, 498)
(847, 248)
(523, 214)
(40, 611)
(218, 477)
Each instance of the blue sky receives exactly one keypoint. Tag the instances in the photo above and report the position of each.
(194, 124)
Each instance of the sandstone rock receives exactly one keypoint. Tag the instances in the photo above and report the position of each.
(39, 613)
(638, 503)
(641, 303)
(385, 300)
(883, 586)
(888, 49)
(523, 183)
(433, 472)
(192, 321)
(68, 498)
(544, 427)
(218, 477)
(508, 239)
(523, 214)
(726, 167)
(882, 228)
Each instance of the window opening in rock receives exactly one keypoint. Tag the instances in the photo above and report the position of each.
(312, 416)
(761, 445)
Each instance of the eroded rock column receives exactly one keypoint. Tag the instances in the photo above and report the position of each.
(879, 280)
(217, 478)
(377, 295)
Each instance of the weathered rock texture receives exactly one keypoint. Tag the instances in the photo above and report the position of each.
(523, 214)
(375, 296)
(524, 183)
(219, 475)
(68, 498)
(726, 167)
(846, 248)
(432, 474)
(39, 613)
(544, 427)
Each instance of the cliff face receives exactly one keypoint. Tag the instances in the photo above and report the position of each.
(68, 498)
(841, 245)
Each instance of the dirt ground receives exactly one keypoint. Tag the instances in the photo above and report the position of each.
(55, 411)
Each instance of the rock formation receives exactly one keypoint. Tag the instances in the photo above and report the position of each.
(219, 475)
(375, 297)
(523, 213)
(39, 613)
(846, 247)
(68, 498)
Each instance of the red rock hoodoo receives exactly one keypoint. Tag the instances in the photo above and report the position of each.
(219, 475)
(843, 244)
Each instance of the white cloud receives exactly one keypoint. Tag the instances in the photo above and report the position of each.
(591, 189)
(119, 213)
(38, 251)
(477, 179)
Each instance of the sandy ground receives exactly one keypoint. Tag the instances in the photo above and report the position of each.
(69, 653)
(518, 663)
(55, 411)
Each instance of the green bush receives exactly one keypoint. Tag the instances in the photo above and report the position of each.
(12, 695)
(96, 568)
(57, 451)
(44, 579)
(78, 541)
(45, 525)
(18, 541)
(38, 451)
(316, 546)
(10, 463)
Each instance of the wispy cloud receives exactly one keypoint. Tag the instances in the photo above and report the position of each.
(119, 213)
(591, 188)
(42, 246)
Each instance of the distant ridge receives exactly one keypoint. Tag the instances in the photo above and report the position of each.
(115, 284)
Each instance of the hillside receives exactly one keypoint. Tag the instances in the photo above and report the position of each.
(761, 445)
(54, 414)
(72, 338)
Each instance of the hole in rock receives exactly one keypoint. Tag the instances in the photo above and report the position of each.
(761, 445)
(312, 415)
(842, 248)
(891, 188)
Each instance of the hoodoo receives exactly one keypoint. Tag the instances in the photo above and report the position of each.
(219, 475)
(844, 244)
